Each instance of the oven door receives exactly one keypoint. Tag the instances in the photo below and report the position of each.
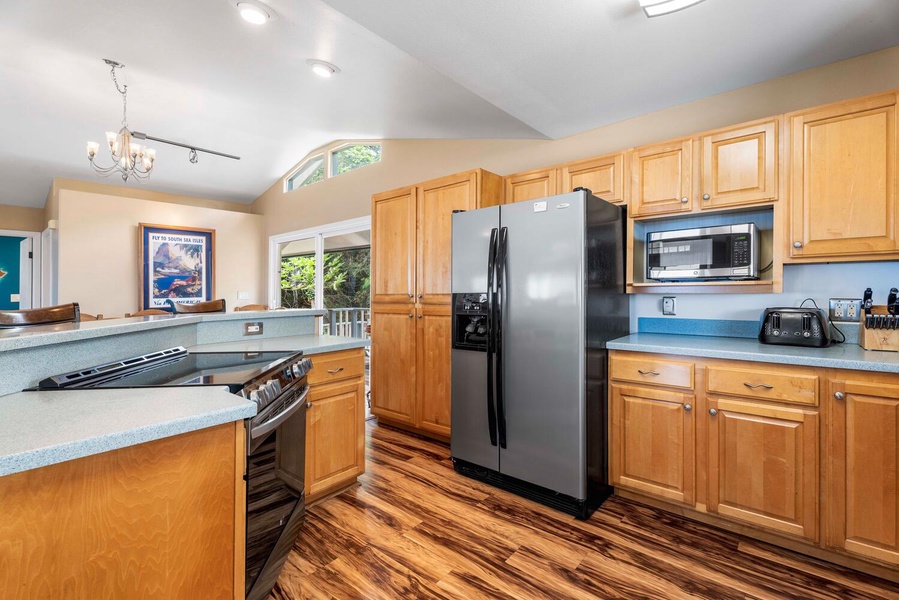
(276, 504)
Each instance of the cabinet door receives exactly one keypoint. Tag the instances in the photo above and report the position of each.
(335, 435)
(393, 246)
(843, 198)
(604, 176)
(739, 166)
(393, 362)
(436, 202)
(661, 178)
(862, 468)
(532, 185)
(763, 465)
(652, 442)
(433, 369)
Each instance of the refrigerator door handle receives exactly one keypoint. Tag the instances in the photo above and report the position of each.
(491, 408)
(498, 335)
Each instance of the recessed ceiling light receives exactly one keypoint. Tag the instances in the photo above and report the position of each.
(322, 68)
(254, 12)
(654, 8)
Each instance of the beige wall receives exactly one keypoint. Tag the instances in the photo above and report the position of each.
(406, 162)
(21, 218)
(98, 249)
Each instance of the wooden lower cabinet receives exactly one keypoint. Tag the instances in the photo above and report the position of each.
(863, 466)
(652, 434)
(803, 457)
(410, 367)
(335, 422)
(763, 465)
(393, 363)
(163, 519)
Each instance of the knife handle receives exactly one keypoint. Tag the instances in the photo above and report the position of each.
(869, 318)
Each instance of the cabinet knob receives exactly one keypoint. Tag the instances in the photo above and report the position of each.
(419, 295)
(713, 411)
(308, 405)
(840, 396)
(410, 315)
(684, 200)
(410, 295)
(797, 244)
(419, 316)
(688, 407)
(705, 196)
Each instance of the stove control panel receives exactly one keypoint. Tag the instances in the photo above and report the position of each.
(264, 390)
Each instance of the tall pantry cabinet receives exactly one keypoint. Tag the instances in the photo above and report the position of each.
(411, 296)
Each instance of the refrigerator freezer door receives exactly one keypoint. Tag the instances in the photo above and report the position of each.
(471, 238)
(470, 438)
(543, 344)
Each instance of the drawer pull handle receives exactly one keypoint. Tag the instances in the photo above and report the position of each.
(758, 385)
(642, 372)
(334, 371)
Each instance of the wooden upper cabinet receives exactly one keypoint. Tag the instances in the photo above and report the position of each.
(434, 342)
(763, 465)
(652, 441)
(393, 362)
(661, 178)
(437, 200)
(843, 200)
(393, 248)
(532, 185)
(862, 497)
(739, 166)
(603, 175)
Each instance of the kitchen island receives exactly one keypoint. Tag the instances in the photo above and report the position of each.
(130, 492)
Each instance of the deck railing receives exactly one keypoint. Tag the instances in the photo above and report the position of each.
(350, 322)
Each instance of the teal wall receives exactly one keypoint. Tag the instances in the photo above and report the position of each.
(9, 262)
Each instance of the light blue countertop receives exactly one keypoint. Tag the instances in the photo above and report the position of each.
(838, 356)
(43, 428)
(30, 337)
(309, 344)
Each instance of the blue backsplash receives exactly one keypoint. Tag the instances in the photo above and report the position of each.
(711, 327)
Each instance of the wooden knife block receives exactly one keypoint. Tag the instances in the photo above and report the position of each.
(878, 339)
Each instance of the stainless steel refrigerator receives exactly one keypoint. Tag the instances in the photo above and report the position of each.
(538, 289)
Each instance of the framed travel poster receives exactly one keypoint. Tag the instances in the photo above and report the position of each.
(176, 263)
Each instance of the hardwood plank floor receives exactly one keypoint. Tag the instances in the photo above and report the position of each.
(416, 529)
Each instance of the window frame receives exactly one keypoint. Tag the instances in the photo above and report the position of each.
(332, 151)
(299, 168)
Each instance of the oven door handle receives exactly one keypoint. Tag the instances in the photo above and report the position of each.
(272, 424)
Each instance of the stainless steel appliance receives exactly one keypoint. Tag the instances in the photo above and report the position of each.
(276, 436)
(538, 290)
(725, 252)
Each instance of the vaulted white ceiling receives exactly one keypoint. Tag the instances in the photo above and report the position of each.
(198, 73)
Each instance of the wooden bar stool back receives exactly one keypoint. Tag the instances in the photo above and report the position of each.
(148, 312)
(64, 313)
(212, 306)
(251, 307)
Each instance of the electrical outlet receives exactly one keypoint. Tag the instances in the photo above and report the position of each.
(252, 328)
(847, 310)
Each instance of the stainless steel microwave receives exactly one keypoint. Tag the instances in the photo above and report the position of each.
(725, 252)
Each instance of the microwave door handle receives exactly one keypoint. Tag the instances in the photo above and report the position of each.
(491, 406)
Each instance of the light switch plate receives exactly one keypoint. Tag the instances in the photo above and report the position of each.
(243, 295)
(668, 305)
(14, 298)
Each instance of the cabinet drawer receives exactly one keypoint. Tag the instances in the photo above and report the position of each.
(768, 382)
(336, 366)
(650, 369)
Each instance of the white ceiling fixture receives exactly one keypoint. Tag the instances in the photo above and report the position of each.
(129, 159)
(654, 8)
(322, 68)
(256, 13)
